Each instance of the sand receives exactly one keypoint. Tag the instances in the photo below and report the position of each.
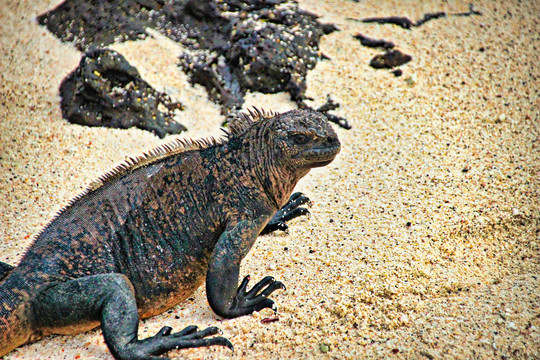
(424, 237)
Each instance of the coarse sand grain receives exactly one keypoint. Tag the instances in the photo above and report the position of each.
(424, 237)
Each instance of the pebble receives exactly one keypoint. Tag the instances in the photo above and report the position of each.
(411, 80)
(324, 348)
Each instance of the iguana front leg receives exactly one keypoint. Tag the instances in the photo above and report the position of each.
(224, 295)
(109, 300)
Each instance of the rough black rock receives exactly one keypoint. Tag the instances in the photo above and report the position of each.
(390, 59)
(233, 46)
(408, 24)
(374, 43)
(105, 90)
(272, 46)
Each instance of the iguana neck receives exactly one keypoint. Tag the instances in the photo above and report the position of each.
(276, 180)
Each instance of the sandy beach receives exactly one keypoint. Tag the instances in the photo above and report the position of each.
(424, 235)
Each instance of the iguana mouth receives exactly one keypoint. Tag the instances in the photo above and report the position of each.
(322, 163)
(322, 156)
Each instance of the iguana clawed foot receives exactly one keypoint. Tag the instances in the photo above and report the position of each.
(288, 212)
(255, 300)
(164, 341)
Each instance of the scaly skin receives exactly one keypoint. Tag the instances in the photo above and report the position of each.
(147, 235)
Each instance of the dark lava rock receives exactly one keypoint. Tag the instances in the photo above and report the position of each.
(232, 46)
(401, 21)
(407, 23)
(272, 46)
(270, 50)
(100, 23)
(105, 90)
(389, 60)
(374, 43)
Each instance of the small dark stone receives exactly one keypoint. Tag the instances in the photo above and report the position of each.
(389, 60)
(374, 43)
(397, 72)
(430, 16)
(408, 224)
(401, 21)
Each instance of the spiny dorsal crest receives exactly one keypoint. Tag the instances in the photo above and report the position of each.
(177, 146)
(244, 121)
(236, 127)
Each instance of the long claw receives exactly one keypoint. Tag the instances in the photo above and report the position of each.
(242, 289)
(192, 343)
(273, 287)
(256, 298)
(261, 284)
(295, 213)
(188, 330)
(203, 333)
(165, 331)
(288, 212)
(264, 304)
(190, 337)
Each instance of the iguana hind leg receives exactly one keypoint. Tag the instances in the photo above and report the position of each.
(15, 327)
(109, 299)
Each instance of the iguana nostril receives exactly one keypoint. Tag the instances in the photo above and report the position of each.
(332, 140)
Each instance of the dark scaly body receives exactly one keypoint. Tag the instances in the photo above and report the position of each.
(155, 222)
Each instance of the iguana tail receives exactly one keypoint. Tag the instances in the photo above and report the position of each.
(5, 269)
(15, 312)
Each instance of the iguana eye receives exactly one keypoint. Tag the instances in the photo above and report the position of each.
(300, 138)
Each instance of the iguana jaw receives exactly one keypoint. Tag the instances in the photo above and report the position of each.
(321, 163)
(319, 157)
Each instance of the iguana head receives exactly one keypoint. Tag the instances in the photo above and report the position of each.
(304, 139)
(297, 140)
(282, 148)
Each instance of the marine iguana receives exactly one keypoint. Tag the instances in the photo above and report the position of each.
(146, 235)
